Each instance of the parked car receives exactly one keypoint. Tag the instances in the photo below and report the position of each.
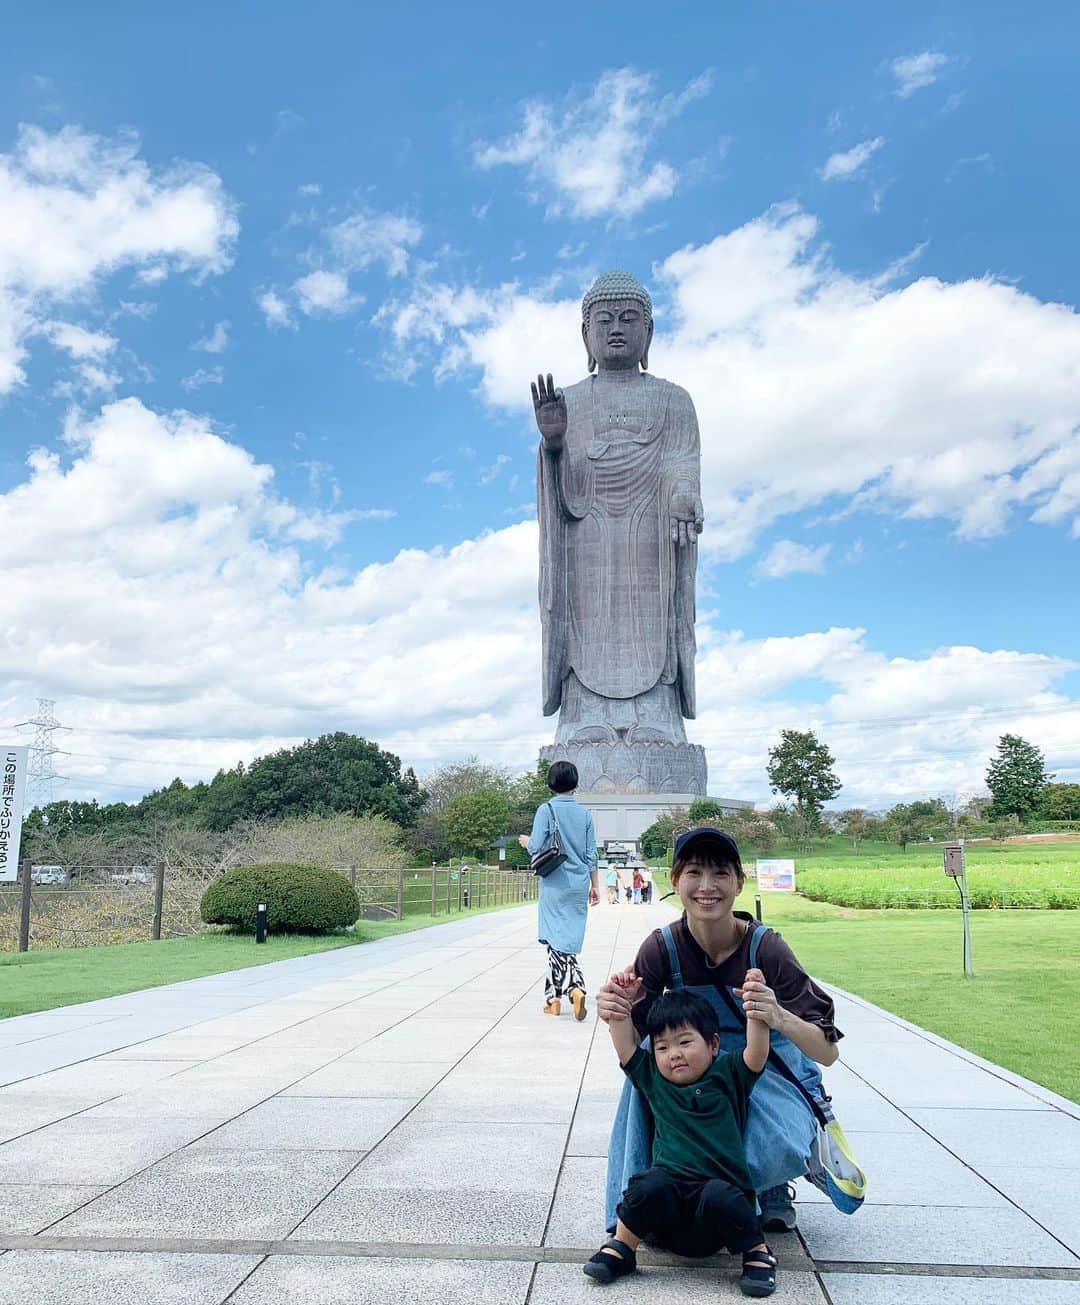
(138, 874)
(48, 874)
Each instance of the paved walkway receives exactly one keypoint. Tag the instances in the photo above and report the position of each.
(398, 1122)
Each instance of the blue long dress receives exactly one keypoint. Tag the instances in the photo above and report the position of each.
(564, 894)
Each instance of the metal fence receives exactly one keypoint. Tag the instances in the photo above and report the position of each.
(101, 904)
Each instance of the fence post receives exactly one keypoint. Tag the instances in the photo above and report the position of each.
(352, 876)
(449, 881)
(24, 908)
(433, 911)
(159, 899)
(401, 894)
(460, 886)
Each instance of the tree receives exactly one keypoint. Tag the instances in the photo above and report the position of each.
(474, 820)
(801, 767)
(1016, 778)
(852, 824)
(336, 773)
(705, 811)
(654, 840)
(915, 822)
(1060, 802)
(457, 778)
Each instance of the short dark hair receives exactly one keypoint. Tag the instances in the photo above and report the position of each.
(680, 1006)
(562, 777)
(714, 854)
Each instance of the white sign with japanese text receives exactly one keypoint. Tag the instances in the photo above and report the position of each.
(12, 789)
(776, 876)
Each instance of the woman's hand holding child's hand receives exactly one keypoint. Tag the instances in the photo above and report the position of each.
(759, 1000)
(617, 996)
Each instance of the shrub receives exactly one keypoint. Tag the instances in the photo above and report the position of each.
(299, 898)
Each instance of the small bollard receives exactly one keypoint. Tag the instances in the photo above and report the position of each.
(757, 906)
(260, 923)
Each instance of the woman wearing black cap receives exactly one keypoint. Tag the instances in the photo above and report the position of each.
(710, 950)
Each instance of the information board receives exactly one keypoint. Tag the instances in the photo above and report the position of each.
(12, 789)
(776, 876)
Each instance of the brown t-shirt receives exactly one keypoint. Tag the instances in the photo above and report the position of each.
(794, 988)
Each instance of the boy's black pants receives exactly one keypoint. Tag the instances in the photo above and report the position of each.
(690, 1216)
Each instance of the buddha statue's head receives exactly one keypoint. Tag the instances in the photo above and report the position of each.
(616, 323)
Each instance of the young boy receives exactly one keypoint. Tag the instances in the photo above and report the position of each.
(697, 1197)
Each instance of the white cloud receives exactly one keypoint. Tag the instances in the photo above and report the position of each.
(847, 165)
(355, 244)
(375, 514)
(275, 309)
(440, 476)
(490, 473)
(309, 188)
(78, 341)
(917, 397)
(367, 237)
(204, 376)
(325, 292)
(786, 557)
(77, 208)
(217, 341)
(912, 72)
(434, 653)
(588, 157)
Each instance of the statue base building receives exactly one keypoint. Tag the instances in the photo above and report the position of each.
(635, 767)
(624, 817)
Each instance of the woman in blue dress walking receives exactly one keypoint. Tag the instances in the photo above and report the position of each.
(567, 893)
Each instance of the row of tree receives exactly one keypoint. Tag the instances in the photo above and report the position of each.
(465, 806)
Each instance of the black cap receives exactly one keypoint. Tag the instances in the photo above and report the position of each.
(703, 836)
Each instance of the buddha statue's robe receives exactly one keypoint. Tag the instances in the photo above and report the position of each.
(616, 592)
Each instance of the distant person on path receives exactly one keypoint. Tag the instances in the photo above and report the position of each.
(696, 1198)
(709, 951)
(638, 884)
(647, 886)
(611, 883)
(568, 891)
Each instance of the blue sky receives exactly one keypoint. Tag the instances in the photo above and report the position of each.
(273, 283)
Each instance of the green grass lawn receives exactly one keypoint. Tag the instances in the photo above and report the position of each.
(51, 977)
(1018, 1011)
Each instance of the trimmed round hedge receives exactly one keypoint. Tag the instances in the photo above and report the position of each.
(299, 898)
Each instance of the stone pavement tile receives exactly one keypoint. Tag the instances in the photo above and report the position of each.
(1006, 1137)
(896, 1289)
(504, 1098)
(97, 1080)
(18, 1029)
(179, 1046)
(113, 1278)
(933, 1077)
(862, 1110)
(466, 1155)
(930, 1234)
(217, 1102)
(344, 1280)
(22, 1112)
(577, 1213)
(85, 1149)
(371, 1078)
(591, 1131)
(1048, 1195)
(565, 1284)
(449, 1217)
(234, 1194)
(424, 1039)
(27, 1208)
(309, 1124)
(903, 1169)
(263, 1062)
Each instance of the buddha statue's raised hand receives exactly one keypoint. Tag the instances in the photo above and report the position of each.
(550, 408)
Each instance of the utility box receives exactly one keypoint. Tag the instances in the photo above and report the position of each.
(954, 859)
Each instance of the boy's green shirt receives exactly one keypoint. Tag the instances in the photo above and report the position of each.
(699, 1126)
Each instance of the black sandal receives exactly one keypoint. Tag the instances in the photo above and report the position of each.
(758, 1273)
(606, 1268)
